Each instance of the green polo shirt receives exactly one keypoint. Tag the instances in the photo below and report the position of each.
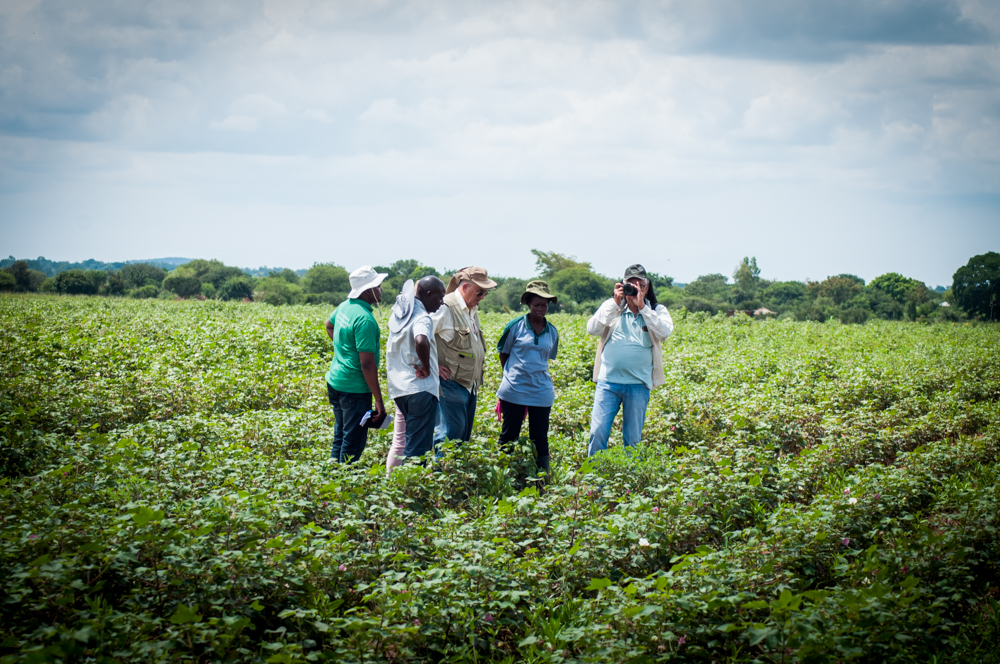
(355, 331)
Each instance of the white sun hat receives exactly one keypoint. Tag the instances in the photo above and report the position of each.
(402, 311)
(364, 278)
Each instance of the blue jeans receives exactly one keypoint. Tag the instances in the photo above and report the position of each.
(456, 410)
(349, 439)
(608, 398)
(420, 411)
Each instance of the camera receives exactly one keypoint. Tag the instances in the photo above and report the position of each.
(629, 289)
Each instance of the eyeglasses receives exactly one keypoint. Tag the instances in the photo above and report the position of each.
(480, 293)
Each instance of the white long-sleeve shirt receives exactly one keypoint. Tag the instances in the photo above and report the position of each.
(659, 324)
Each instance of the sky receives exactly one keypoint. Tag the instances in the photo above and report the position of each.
(821, 137)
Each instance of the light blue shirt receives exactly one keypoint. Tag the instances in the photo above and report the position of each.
(526, 380)
(628, 353)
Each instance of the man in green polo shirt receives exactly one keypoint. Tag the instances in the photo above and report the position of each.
(352, 380)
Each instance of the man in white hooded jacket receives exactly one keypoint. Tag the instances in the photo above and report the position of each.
(629, 362)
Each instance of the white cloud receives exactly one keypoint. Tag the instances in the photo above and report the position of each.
(238, 123)
(317, 114)
(672, 111)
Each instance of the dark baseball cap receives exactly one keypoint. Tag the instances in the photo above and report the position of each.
(635, 271)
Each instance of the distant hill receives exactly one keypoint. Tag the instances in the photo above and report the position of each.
(167, 263)
(52, 268)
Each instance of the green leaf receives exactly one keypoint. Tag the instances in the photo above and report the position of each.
(143, 515)
(754, 481)
(598, 584)
(527, 641)
(40, 560)
(909, 582)
(756, 604)
(257, 606)
(755, 636)
(84, 634)
(184, 614)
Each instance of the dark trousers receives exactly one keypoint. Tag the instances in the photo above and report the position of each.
(349, 438)
(420, 411)
(538, 427)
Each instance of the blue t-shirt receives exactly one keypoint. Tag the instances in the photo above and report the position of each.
(526, 380)
(627, 357)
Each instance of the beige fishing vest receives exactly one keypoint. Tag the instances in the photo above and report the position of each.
(465, 354)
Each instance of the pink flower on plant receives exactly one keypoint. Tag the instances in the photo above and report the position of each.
(845, 541)
(343, 567)
(847, 491)
(904, 569)
(488, 617)
(681, 640)
(416, 623)
(32, 536)
(655, 510)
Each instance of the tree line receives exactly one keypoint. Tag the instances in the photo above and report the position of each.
(975, 290)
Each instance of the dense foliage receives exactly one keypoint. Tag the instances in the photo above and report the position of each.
(804, 491)
(977, 285)
(580, 289)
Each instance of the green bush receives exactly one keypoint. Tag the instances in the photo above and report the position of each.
(325, 298)
(182, 283)
(237, 288)
(137, 275)
(75, 282)
(144, 292)
(326, 278)
(580, 284)
(277, 291)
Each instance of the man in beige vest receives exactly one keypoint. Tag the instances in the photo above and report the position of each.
(461, 353)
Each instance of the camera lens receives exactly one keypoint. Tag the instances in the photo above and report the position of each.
(629, 289)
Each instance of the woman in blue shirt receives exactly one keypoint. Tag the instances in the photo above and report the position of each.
(526, 346)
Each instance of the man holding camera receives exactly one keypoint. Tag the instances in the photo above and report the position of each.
(629, 362)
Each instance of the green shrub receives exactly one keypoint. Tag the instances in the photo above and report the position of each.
(144, 292)
(182, 284)
(75, 282)
(237, 288)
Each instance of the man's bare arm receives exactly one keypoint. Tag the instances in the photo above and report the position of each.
(370, 371)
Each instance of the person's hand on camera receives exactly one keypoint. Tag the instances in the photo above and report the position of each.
(637, 301)
(619, 294)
